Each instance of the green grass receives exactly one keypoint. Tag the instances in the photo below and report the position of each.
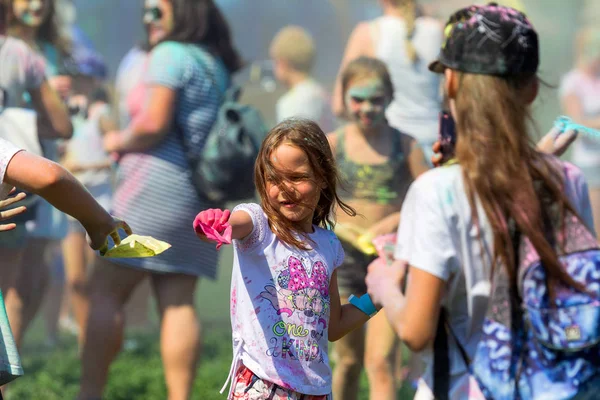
(137, 374)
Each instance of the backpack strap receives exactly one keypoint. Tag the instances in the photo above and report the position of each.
(441, 360)
(441, 356)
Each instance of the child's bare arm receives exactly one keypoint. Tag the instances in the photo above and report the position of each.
(55, 184)
(241, 224)
(343, 319)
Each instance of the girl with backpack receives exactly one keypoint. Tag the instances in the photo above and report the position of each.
(461, 222)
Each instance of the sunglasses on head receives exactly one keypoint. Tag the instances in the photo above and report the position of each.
(152, 14)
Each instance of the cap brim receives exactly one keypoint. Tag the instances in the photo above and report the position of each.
(437, 67)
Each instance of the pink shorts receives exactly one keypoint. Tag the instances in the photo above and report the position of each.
(247, 386)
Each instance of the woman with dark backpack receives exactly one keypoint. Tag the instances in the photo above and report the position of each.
(189, 67)
(463, 223)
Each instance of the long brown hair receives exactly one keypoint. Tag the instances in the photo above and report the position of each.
(503, 170)
(308, 137)
(49, 31)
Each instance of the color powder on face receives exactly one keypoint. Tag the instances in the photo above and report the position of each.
(30, 13)
(367, 102)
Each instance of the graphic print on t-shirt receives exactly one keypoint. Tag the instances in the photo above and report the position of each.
(300, 296)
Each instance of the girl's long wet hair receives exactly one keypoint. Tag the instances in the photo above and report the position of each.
(307, 136)
(504, 171)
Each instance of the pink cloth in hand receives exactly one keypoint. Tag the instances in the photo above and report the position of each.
(218, 232)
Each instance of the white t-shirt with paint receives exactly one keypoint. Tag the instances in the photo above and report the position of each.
(438, 235)
(280, 306)
(307, 100)
(7, 152)
(22, 70)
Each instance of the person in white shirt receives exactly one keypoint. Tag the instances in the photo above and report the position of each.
(293, 53)
(454, 218)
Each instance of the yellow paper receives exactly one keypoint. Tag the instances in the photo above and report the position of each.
(136, 246)
(353, 235)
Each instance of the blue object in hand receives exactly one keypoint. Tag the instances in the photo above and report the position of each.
(364, 304)
(564, 124)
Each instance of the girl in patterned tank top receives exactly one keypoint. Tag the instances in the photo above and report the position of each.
(377, 164)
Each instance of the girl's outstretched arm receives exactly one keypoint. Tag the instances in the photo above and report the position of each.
(238, 225)
(241, 224)
(343, 319)
(57, 186)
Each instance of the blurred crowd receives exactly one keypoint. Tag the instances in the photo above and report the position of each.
(128, 140)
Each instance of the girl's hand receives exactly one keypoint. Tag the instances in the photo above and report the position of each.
(98, 235)
(381, 278)
(112, 141)
(437, 158)
(212, 226)
(62, 85)
(11, 213)
(556, 142)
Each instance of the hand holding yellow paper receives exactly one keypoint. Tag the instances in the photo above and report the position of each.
(355, 236)
(136, 246)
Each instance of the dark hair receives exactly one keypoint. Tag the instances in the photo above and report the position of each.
(49, 31)
(201, 22)
(308, 137)
(364, 67)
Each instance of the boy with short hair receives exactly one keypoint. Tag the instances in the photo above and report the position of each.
(293, 54)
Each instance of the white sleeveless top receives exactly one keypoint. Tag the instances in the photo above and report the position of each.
(417, 100)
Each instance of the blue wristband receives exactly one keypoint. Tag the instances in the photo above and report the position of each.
(364, 304)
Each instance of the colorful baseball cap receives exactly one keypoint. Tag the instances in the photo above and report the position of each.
(489, 40)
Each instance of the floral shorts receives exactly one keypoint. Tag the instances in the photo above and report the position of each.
(247, 386)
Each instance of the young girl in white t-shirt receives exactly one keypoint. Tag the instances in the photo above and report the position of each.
(455, 219)
(285, 304)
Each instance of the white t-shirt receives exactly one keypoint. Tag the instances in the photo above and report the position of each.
(586, 150)
(280, 306)
(86, 147)
(7, 152)
(22, 70)
(437, 235)
(417, 102)
(307, 100)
